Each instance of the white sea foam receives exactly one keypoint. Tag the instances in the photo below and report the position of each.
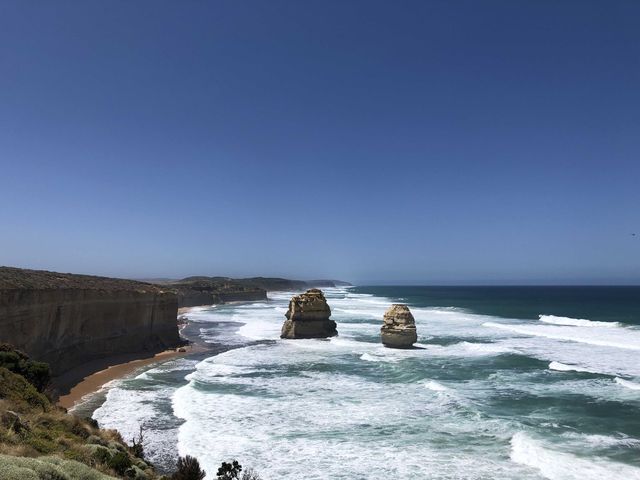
(372, 409)
(557, 465)
(576, 322)
(343, 415)
(603, 441)
(563, 367)
(627, 383)
(377, 358)
(435, 386)
(465, 349)
(605, 337)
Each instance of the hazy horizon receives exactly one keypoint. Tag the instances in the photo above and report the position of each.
(422, 143)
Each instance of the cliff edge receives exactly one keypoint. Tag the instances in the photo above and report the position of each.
(66, 319)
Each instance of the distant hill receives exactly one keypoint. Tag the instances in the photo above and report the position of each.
(202, 290)
(269, 284)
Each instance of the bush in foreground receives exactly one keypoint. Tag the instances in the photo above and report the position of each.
(188, 469)
(231, 471)
(36, 373)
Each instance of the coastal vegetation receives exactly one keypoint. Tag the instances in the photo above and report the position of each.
(40, 441)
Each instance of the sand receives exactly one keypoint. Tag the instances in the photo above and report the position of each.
(91, 378)
(97, 380)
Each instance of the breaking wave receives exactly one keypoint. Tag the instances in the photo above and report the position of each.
(563, 367)
(557, 465)
(576, 322)
(627, 383)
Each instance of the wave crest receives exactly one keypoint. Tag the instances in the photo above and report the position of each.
(563, 367)
(576, 322)
(557, 465)
(627, 383)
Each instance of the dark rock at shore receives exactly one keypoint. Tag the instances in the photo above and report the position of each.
(399, 329)
(308, 317)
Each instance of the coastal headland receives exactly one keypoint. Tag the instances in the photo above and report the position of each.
(92, 329)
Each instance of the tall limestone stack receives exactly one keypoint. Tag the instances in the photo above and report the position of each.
(399, 329)
(308, 317)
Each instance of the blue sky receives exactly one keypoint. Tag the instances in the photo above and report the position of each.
(431, 142)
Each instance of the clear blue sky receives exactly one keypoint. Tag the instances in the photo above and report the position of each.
(397, 142)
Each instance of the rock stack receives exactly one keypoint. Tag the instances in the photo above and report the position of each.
(308, 317)
(399, 329)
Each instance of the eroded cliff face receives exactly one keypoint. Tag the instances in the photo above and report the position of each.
(308, 317)
(399, 328)
(196, 298)
(197, 291)
(66, 320)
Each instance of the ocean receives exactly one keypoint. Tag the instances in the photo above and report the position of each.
(506, 383)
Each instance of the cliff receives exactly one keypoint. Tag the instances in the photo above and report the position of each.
(67, 320)
(284, 284)
(195, 291)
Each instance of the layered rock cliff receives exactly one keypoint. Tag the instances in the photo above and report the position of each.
(66, 320)
(196, 291)
(399, 329)
(308, 317)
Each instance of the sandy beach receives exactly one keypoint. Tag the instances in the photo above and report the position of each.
(120, 367)
(94, 382)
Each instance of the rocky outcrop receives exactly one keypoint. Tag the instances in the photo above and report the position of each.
(399, 329)
(308, 317)
(67, 320)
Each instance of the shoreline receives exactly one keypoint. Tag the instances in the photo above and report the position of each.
(94, 382)
(121, 366)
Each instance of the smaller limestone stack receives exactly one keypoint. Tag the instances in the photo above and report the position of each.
(308, 317)
(399, 329)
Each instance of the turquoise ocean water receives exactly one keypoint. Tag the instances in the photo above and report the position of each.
(506, 383)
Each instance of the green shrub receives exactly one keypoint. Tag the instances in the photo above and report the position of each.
(119, 463)
(229, 471)
(36, 373)
(75, 470)
(188, 469)
(9, 471)
(102, 455)
(37, 468)
(16, 389)
(40, 444)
